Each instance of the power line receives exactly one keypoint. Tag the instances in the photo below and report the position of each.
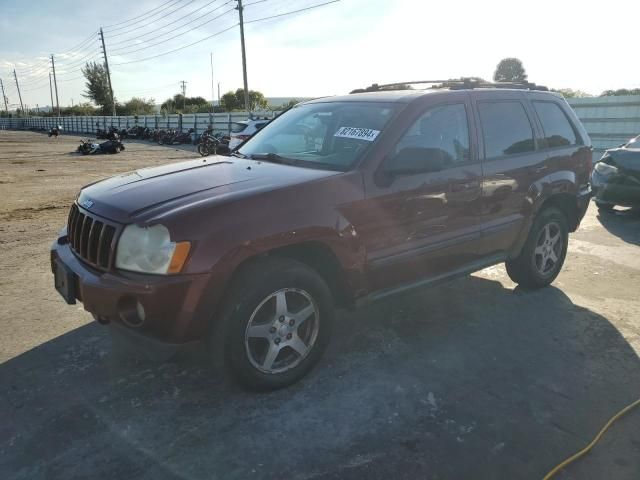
(179, 48)
(111, 35)
(164, 26)
(183, 33)
(77, 47)
(141, 15)
(292, 12)
(223, 31)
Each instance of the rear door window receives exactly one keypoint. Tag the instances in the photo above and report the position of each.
(506, 129)
(558, 132)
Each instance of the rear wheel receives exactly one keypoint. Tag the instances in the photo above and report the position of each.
(543, 254)
(277, 323)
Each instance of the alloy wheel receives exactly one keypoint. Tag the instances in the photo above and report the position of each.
(548, 249)
(282, 330)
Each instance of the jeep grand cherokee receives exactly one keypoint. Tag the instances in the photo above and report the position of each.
(337, 202)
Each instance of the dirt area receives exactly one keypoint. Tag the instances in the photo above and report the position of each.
(39, 178)
(472, 379)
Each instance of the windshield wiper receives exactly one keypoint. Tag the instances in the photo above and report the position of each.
(238, 154)
(272, 157)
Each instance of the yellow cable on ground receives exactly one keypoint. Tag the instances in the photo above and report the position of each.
(593, 442)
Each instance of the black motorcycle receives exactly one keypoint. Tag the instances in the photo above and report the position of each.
(55, 131)
(87, 147)
(208, 144)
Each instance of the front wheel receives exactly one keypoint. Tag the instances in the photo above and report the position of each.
(277, 323)
(203, 150)
(543, 254)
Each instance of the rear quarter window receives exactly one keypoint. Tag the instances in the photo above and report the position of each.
(506, 129)
(237, 127)
(558, 131)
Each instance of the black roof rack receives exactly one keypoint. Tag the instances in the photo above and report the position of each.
(453, 84)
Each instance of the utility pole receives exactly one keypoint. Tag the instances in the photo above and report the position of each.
(55, 83)
(183, 87)
(18, 87)
(51, 91)
(244, 57)
(106, 66)
(213, 91)
(218, 93)
(4, 97)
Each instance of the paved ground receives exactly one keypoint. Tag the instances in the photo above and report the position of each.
(473, 379)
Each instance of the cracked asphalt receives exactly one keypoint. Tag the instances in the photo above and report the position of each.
(471, 379)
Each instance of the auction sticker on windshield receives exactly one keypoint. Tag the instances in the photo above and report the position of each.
(357, 133)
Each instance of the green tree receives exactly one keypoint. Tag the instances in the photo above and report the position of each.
(137, 106)
(510, 70)
(290, 104)
(569, 93)
(235, 101)
(180, 104)
(620, 92)
(79, 110)
(97, 86)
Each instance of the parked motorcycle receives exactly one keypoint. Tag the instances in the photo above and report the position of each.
(208, 144)
(183, 137)
(55, 131)
(87, 147)
(111, 134)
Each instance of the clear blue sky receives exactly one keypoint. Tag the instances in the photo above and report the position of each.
(325, 51)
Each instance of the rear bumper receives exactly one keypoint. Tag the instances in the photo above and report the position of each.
(168, 309)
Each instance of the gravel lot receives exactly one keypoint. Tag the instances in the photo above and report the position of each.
(472, 379)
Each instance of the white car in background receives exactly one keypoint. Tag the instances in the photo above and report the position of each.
(240, 131)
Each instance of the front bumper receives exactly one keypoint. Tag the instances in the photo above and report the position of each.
(172, 304)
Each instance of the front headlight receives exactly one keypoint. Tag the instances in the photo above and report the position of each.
(605, 169)
(150, 250)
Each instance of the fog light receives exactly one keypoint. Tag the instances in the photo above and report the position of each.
(131, 312)
(140, 311)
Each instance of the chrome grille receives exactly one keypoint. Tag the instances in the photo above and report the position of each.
(91, 239)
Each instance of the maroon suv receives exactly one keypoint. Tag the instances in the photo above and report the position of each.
(337, 202)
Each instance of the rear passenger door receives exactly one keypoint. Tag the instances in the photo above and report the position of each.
(512, 160)
(563, 145)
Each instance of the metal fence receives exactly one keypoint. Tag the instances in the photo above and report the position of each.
(609, 121)
(87, 125)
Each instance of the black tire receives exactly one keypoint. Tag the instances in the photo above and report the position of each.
(249, 291)
(526, 268)
(203, 150)
(604, 207)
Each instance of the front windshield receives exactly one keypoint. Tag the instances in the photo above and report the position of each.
(330, 135)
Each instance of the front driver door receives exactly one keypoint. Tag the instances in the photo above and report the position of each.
(423, 223)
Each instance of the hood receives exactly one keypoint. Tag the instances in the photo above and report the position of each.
(150, 192)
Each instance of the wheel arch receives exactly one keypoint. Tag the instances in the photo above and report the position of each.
(316, 255)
